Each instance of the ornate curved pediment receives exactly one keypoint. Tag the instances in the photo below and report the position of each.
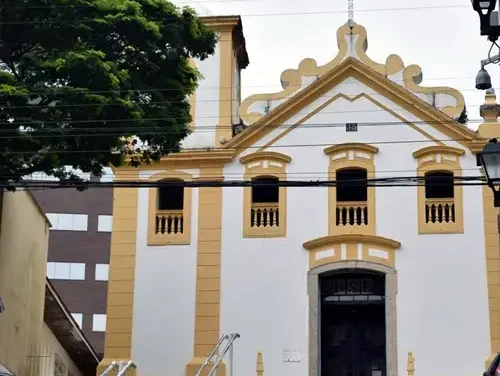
(352, 247)
(353, 42)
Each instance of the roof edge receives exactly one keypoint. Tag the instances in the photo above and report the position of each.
(50, 292)
(235, 23)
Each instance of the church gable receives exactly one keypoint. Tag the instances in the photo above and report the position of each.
(438, 106)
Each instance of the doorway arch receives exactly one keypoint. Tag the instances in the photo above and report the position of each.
(313, 280)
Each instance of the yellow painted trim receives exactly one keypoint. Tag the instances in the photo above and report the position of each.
(121, 281)
(351, 247)
(421, 153)
(315, 244)
(344, 156)
(352, 68)
(351, 146)
(224, 129)
(208, 271)
(189, 159)
(233, 23)
(265, 164)
(262, 155)
(162, 239)
(492, 254)
(291, 79)
(439, 158)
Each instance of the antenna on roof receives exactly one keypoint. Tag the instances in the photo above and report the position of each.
(350, 13)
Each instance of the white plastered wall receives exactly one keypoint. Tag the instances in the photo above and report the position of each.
(164, 298)
(442, 306)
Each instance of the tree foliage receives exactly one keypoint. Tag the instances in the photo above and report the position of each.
(76, 75)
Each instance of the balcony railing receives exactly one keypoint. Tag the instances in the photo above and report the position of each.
(265, 215)
(169, 222)
(351, 213)
(439, 210)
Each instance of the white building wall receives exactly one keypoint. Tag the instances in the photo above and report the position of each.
(51, 348)
(207, 103)
(442, 305)
(164, 298)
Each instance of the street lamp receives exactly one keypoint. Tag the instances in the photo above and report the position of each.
(489, 159)
(488, 18)
(490, 26)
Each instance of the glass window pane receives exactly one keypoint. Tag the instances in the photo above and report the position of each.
(77, 271)
(104, 223)
(65, 222)
(61, 270)
(78, 317)
(101, 272)
(80, 222)
(99, 323)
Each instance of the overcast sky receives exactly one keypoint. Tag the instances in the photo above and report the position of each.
(443, 39)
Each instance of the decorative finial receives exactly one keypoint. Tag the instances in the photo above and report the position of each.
(260, 364)
(350, 12)
(410, 368)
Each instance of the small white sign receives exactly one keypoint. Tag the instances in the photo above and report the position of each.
(376, 373)
(291, 356)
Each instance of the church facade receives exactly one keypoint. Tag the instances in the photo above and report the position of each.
(339, 280)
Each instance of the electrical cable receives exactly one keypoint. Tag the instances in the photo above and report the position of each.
(404, 181)
(288, 14)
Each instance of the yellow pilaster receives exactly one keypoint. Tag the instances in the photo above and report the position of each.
(490, 128)
(118, 340)
(207, 310)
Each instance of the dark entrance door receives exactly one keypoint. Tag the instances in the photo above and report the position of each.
(353, 339)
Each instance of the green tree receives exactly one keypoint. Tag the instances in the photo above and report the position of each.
(77, 75)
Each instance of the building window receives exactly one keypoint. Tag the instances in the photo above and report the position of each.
(104, 223)
(170, 210)
(351, 203)
(66, 270)
(264, 204)
(78, 317)
(439, 199)
(101, 272)
(352, 197)
(68, 222)
(99, 323)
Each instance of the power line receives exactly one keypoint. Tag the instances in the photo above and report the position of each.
(125, 120)
(63, 151)
(53, 91)
(407, 181)
(288, 14)
(90, 6)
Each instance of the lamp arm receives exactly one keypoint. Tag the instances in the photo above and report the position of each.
(492, 60)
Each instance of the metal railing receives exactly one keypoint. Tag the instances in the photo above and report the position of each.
(122, 367)
(228, 346)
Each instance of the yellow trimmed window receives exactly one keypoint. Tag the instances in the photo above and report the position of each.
(351, 203)
(440, 209)
(264, 204)
(169, 213)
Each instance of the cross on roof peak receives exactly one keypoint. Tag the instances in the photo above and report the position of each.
(350, 12)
